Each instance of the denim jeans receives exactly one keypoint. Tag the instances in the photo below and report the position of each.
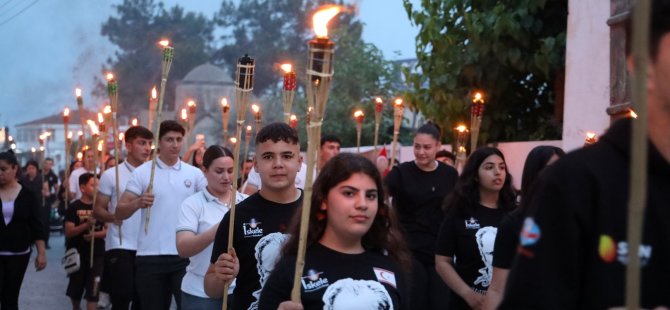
(192, 302)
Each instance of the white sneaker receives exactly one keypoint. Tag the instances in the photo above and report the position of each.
(103, 301)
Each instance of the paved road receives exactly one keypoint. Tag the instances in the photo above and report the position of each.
(46, 289)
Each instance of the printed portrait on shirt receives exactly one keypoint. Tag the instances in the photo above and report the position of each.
(267, 252)
(356, 294)
(486, 237)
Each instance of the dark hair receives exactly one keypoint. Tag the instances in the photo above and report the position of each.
(110, 158)
(330, 138)
(431, 129)
(170, 125)
(445, 153)
(85, 177)
(135, 132)
(10, 159)
(48, 158)
(276, 132)
(33, 163)
(213, 152)
(659, 26)
(383, 234)
(536, 162)
(74, 162)
(465, 195)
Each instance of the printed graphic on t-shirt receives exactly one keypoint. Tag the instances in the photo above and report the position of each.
(485, 237)
(356, 294)
(267, 252)
(252, 228)
(608, 252)
(313, 281)
(530, 233)
(472, 223)
(385, 276)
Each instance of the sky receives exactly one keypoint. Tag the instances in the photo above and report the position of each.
(49, 47)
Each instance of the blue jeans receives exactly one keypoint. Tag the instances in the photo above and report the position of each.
(192, 302)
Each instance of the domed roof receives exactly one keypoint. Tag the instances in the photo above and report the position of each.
(208, 74)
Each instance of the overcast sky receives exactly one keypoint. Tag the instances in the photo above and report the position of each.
(47, 47)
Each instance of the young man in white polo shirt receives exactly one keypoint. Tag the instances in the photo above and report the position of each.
(121, 247)
(73, 181)
(159, 268)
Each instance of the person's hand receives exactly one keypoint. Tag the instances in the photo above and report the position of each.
(87, 237)
(196, 145)
(117, 222)
(474, 300)
(146, 200)
(289, 305)
(227, 266)
(89, 221)
(40, 261)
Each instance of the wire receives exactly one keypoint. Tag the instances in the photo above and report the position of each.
(18, 13)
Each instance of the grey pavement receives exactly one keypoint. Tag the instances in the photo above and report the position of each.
(46, 289)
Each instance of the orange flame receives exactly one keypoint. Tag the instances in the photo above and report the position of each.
(184, 114)
(69, 135)
(134, 121)
(191, 103)
(224, 102)
(398, 102)
(154, 94)
(122, 136)
(110, 76)
(249, 128)
(590, 135)
(107, 109)
(101, 119)
(93, 126)
(293, 118)
(286, 67)
(80, 133)
(322, 17)
(100, 145)
(255, 108)
(66, 112)
(461, 128)
(633, 114)
(233, 140)
(378, 99)
(164, 42)
(32, 149)
(77, 92)
(478, 97)
(358, 113)
(80, 155)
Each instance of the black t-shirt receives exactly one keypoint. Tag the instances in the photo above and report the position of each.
(75, 212)
(34, 186)
(469, 239)
(507, 239)
(258, 235)
(52, 179)
(573, 245)
(417, 198)
(334, 280)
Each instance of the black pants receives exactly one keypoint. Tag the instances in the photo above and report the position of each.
(119, 279)
(428, 291)
(12, 269)
(158, 278)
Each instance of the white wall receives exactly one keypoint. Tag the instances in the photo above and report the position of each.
(587, 64)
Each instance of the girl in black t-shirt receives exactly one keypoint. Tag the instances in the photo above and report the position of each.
(464, 250)
(354, 252)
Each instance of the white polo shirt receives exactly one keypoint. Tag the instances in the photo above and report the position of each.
(131, 225)
(172, 185)
(200, 213)
(74, 182)
(255, 179)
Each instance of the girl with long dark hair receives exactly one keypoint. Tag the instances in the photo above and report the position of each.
(483, 195)
(354, 250)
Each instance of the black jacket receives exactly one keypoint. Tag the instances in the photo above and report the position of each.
(25, 226)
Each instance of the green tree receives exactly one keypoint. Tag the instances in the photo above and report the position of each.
(136, 29)
(513, 51)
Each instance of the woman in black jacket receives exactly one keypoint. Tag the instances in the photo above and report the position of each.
(20, 227)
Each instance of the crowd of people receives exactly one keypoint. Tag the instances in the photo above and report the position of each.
(419, 235)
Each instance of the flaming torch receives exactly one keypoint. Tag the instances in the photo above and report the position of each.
(476, 118)
(112, 91)
(244, 85)
(80, 108)
(257, 116)
(293, 122)
(319, 76)
(68, 140)
(398, 110)
(133, 122)
(289, 90)
(590, 138)
(379, 107)
(461, 135)
(168, 54)
(95, 135)
(358, 116)
(184, 122)
(247, 139)
(192, 108)
(225, 117)
(153, 101)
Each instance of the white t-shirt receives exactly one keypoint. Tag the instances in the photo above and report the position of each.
(172, 185)
(131, 225)
(255, 179)
(74, 182)
(198, 214)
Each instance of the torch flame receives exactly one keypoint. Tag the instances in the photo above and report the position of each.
(378, 100)
(121, 136)
(322, 17)
(478, 97)
(134, 121)
(233, 140)
(191, 103)
(286, 67)
(94, 127)
(100, 145)
(184, 114)
(154, 94)
(358, 114)
(633, 114)
(461, 128)
(80, 155)
(293, 118)
(100, 118)
(32, 149)
(110, 76)
(77, 92)
(164, 42)
(255, 108)
(224, 102)
(107, 109)
(398, 101)
(249, 128)
(590, 135)
(66, 112)
(69, 135)
(80, 133)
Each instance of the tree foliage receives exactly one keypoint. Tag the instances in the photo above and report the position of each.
(135, 30)
(513, 51)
